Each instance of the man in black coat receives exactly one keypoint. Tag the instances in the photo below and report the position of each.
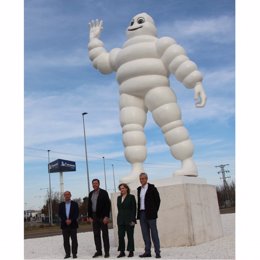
(148, 206)
(69, 213)
(98, 213)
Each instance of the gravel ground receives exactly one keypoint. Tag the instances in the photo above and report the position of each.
(52, 247)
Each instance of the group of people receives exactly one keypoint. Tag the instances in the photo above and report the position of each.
(99, 207)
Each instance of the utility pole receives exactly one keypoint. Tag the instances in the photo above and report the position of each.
(114, 178)
(224, 178)
(105, 175)
(50, 195)
(223, 172)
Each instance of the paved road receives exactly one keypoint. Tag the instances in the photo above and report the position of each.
(83, 228)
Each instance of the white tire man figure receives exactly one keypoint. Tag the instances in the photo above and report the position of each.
(142, 67)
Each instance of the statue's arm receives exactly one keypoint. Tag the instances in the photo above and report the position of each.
(186, 71)
(102, 60)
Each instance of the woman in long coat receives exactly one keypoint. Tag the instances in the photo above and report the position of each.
(126, 205)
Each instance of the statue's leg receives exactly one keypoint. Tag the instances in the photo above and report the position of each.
(161, 101)
(133, 118)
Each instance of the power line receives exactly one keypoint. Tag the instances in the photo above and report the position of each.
(149, 165)
(99, 157)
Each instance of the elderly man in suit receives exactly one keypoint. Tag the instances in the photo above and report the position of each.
(98, 213)
(148, 206)
(69, 213)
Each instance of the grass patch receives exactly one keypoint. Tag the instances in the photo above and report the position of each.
(35, 230)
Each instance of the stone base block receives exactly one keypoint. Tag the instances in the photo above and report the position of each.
(188, 215)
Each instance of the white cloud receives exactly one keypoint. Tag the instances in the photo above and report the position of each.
(219, 109)
(207, 141)
(222, 80)
(46, 59)
(58, 117)
(217, 30)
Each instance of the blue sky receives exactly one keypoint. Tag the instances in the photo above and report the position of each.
(60, 83)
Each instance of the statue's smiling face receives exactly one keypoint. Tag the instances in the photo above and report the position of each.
(141, 24)
(136, 25)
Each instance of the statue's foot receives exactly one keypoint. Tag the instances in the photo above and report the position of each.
(132, 177)
(188, 168)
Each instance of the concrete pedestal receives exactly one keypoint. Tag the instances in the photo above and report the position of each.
(188, 215)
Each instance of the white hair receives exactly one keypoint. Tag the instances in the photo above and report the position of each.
(143, 174)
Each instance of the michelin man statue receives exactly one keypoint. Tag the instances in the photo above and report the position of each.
(142, 67)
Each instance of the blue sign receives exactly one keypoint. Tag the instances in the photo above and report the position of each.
(61, 165)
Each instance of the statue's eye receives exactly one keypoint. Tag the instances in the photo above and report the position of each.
(132, 22)
(140, 20)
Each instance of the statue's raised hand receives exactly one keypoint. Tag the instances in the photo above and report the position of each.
(95, 28)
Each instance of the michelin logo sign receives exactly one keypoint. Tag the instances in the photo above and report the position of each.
(61, 165)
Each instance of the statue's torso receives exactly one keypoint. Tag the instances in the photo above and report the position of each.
(140, 67)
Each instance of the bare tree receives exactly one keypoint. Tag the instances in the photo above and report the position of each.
(226, 195)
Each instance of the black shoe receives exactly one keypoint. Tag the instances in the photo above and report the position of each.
(158, 256)
(75, 256)
(131, 254)
(97, 254)
(107, 255)
(122, 254)
(66, 256)
(145, 255)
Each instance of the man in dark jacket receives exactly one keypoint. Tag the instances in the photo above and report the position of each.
(148, 206)
(68, 213)
(98, 213)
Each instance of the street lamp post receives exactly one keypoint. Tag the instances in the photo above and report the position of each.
(114, 178)
(51, 222)
(86, 152)
(105, 176)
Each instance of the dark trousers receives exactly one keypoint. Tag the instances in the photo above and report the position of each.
(99, 226)
(68, 233)
(129, 230)
(149, 229)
